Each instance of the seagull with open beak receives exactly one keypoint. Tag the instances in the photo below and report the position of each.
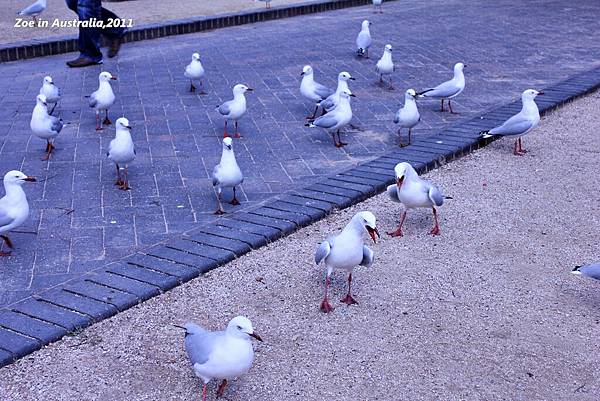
(347, 250)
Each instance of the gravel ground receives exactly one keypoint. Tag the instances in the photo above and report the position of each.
(486, 311)
(141, 11)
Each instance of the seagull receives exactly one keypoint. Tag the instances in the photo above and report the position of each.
(195, 71)
(103, 98)
(385, 65)
(413, 191)
(377, 5)
(332, 100)
(43, 125)
(337, 119)
(313, 90)
(267, 3)
(347, 250)
(121, 151)
(14, 208)
(521, 123)
(51, 91)
(448, 89)
(227, 174)
(363, 40)
(592, 270)
(234, 109)
(221, 355)
(34, 9)
(408, 116)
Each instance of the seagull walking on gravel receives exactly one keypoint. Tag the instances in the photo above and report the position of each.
(122, 152)
(521, 123)
(34, 10)
(313, 90)
(103, 98)
(408, 116)
(331, 102)
(385, 65)
(227, 174)
(221, 355)
(449, 89)
(346, 251)
(14, 208)
(234, 109)
(414, 192)
(336, 119)
(45, 126)
(377, 6)
(363, 40)
(194, 72)
(51, 91)
(592, 270)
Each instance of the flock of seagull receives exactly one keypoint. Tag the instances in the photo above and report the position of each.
(228, 354)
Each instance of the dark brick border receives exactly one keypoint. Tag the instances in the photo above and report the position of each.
(66, 44)
(35, 322)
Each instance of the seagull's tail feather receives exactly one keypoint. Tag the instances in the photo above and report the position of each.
(576, 270)
(422, 93)
(485, 134)
(360, 51)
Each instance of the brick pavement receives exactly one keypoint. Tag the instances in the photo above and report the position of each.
(177, 135)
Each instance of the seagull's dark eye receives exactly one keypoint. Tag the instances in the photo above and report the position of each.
(239, 328)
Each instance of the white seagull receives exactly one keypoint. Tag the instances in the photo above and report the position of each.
(408, 116)
(43, 125)
(221, 355)
(195, 71)
(121, 151)
(332, 100)
(363, 40)
(267, 3)
(592, 270)
(385, 65)
(234, 109)
(448, 89)
(521, 123)
(34, 9)
(51, 91)
(313, 90)
(103, 98)
(14, 208)
(336, 119)
(227, 174)
(346, 251)
(413, 192)
(377, 5)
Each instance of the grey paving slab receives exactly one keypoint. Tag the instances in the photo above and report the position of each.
(34, 328)
(96, 309)
(17, 344)
(50, 313)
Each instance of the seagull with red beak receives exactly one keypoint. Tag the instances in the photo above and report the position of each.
(14, 208)
(221, 355)
(122, 152)
(346, 251)
(414, 192)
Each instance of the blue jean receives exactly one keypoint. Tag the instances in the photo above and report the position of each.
(89, 38)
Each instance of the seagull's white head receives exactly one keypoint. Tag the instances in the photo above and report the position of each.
(241, 89)
(196, 56)
(123, 123)
(530, 94)
(41, 100)
(106, 76)
(345, 76)
(368, 221)
(306, 70)
(402, 170)
(241, 327)
(458, 67)
(365, 24)
(388, 48)
(15, 177)
(228, 143)
(410, 94)
(48, 80)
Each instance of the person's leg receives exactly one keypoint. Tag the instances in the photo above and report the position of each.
(112, 34)
(89, 38)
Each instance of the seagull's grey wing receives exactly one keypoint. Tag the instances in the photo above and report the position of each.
(224, 109)
(592, 270)
(322, 251)
(93, 100)
(35, 8)
(215, 174)
(326, 121)
(368, 257)
(5, 219)
(328, 103)
(516, 125)
(56, 124)
(444, 89)
(435, 195)
(363, 40)
(199, 343)
(322, 91)
(392, 191)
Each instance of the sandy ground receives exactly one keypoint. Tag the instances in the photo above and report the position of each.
(140, 11)
(486, 311)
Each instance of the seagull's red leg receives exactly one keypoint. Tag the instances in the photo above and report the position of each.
(391, 83)
(192, 87)
(334, 140)
(48, 150)
(234, 201)
(7, 241)
(340, 143)
(398, 232)
(517, 151)
(325, 306)
(202, 91)
(106, 119)
(436, 228)
(119, 181)
(348, 300)
(409, 136)
(125, 186)
(521, 146)
(442, 105)
(204, 392)
(237, 131)
(450, 106)
(225, 134)
(220, 209)
(221, 388)
(314, 114)
(98, 123)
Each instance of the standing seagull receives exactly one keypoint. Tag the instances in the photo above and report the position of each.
(14, 208)
(34, 9)
(195, 71)
(227, 174)
(267, 3)
(408, 116)
(332, 100)
(413, 191)
(221, 355)
(377, 5)
(121, 151)
(521, 123)
(347, 250)
(234, 109)
(363, 40)
(103, 98)
(385, 65)
(43, 125)
(592, 270)
(51, 91)
(337, 119)
(448, 89)
(313, 90)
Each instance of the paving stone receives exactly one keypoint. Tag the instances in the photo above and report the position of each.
(18, 345)
(283, 226)
(65, 318)
(140, 289)
(210, 252)
(163, 281)
(201, 264)
(337, 200)
(313, 213)
(26, 325)
(121, 300)
(98, 310)
(237, 247)
(253, 240)
(300, 220)
(181, 271)
(309, 202)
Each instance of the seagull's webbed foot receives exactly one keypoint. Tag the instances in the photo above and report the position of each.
(219, 212)
(221, 388)
(435, 230)
(325, 306)
(234, 202)
(106, 121)
(349, 300)
(192, 88)
(4, 253)
(7, 241)
(396, 233)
